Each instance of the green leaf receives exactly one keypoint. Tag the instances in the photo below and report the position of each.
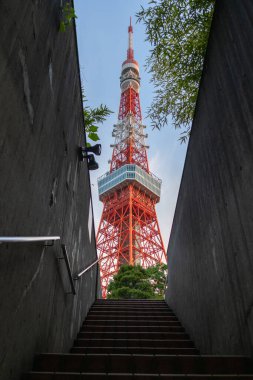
(93, 128)
(93, 136)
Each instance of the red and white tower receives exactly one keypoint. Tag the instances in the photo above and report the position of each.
(128, 232)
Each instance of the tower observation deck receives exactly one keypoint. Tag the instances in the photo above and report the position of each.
(128, 232)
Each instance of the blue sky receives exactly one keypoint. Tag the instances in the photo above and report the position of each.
(102, 43)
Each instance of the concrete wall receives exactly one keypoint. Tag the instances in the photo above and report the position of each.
(210, 253)
(44, 189)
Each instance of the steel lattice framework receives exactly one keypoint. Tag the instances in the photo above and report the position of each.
(128, 232)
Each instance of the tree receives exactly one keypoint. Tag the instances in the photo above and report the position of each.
(178, 31)
(137, 282)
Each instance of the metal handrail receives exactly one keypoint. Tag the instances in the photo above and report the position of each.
(33, 239)
(66, 259)
(77, 277)
(27, 239)
(86, 270)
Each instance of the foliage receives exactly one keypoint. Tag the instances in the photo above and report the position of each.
(92, 117)
(157, 277)
(137, 282)
(130, 282)
(178, 31)
(68, 14)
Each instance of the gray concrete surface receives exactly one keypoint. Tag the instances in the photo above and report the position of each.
(44, 188)
(210, 253)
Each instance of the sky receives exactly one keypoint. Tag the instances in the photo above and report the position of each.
(102, 43)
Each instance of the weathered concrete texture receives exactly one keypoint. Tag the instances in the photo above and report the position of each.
(210, 252)
(44, 189)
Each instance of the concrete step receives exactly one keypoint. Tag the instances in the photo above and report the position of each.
(128, 376)
(130, 311)
(131, 322)
(131, 317)
(169, 343)
(131, 335)
(124, 328)
(143, 364)
(130, 302)
(130, 307)
(134, 350)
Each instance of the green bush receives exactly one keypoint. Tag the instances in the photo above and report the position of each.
(137, 282)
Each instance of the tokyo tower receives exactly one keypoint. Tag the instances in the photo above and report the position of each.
(128, 232)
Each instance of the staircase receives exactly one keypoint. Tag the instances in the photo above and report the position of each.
(135, 339)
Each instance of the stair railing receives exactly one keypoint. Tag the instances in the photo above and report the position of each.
(44, 239)
(66, 259)
(29, 239)
(52, 239)
(79, 275)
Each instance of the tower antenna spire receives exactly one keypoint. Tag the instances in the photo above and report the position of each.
(130, 51)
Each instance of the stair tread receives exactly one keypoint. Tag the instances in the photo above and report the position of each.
(137, 329)
(132, 326)
(131, 347)
(142, 377)
(143, 363)
(133, 317)
(134, 342)
(137, 334)
(201, 356)
(125, 308)
(136, 350)
(130, 312)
